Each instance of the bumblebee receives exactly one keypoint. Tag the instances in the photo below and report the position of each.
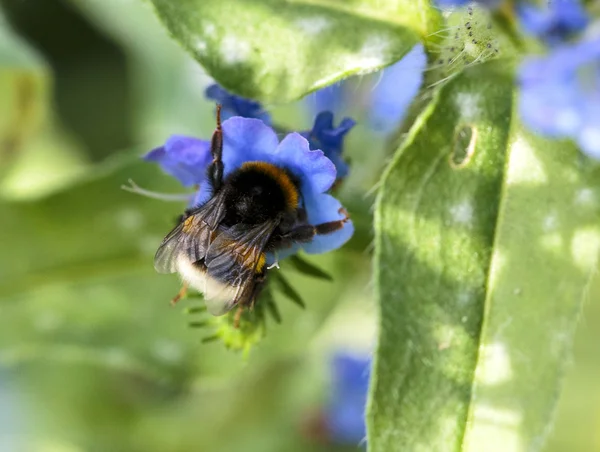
(220, 247)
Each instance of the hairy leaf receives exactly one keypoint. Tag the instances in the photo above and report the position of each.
(276, 50)
(480, 269)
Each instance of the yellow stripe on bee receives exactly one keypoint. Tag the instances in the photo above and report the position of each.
(187, 224)
(243, 255)
(280, 176)
(262, 260)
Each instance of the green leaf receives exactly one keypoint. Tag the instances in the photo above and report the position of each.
(482, 263)
(288, 290)
(306, 267)
(276, 50)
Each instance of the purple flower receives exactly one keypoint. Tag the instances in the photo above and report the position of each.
(246, 140)
(233, 105)
(560, 94)
(330, 139)
(555, 22)
(345, 416)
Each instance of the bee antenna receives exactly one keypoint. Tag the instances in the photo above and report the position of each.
(219, 116)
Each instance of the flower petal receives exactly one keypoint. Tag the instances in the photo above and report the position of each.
(246, 140)
(316, 172)
(184, 158)
(329, 139)
(322, 208)
(554, 22)
(560, 93)
(345, 415)
(234, 105)
(396, 90)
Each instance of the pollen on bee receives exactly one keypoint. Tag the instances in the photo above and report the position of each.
(187, 225)
(262, 260)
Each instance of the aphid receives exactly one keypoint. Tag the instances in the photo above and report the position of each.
(220, 247)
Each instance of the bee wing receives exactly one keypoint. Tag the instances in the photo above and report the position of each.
(190, 238)
(232, 262)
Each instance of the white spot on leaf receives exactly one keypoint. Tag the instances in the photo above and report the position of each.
(234, 50)
(585, 247)
(552, 242)
(525, 167)
(497, 428)
(444, 336)
(550, 222)
(585, 197)
(200, 45)
(498, 416)
(469, 105)
(209, 29)
(464, 298)
(495, 367)
(313, 25)
(462, 213)
(373, 53)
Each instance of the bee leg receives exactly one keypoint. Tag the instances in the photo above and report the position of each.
(305, 233)
(238, 317)
(182, 293)
(215, 169)
(260, 281)
(332, 226)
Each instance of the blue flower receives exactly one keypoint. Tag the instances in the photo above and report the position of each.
(555, 22)
(452, 3)
(246, 140)
(184, 158)
(560, 94)
(396, 89)
(330, 139)
(233, 105)
(385, 99)
(345, 416)
(329, 98)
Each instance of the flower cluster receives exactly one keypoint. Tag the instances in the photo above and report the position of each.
(560, 91)
(311, 156)
(555, 22)
(315, 157)
(560, 94)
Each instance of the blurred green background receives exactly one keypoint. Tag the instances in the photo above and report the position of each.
(92, 358)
